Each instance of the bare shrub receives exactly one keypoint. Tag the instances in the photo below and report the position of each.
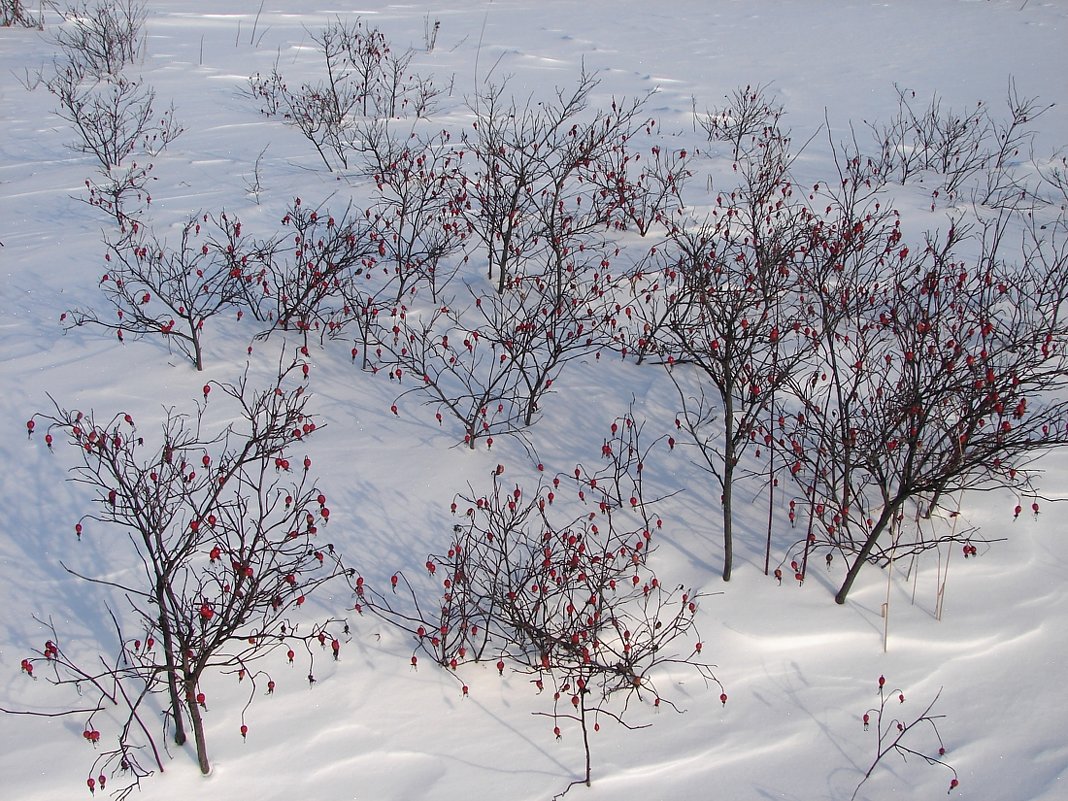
(527, 197)
(113, 118)
(14, 13)
(102, 37)
(365, 79)
(961, 147)
(747, 119)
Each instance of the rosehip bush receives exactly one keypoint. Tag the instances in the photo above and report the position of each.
(937, 373)
(159, 289)
(557, 584)
(307, 276)
(894, 733)
(225, 537)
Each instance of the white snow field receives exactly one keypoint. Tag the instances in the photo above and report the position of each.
(799, 671)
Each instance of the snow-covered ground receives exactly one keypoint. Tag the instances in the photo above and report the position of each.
(799, 670)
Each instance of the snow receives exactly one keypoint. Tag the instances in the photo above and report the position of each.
(799, 670)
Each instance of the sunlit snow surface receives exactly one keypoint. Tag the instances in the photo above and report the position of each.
(799, 670)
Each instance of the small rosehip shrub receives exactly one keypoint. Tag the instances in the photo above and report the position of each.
(216, 541)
